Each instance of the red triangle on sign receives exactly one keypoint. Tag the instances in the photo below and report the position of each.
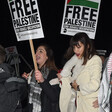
(68, 1)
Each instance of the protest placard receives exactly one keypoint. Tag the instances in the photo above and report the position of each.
(80, 16)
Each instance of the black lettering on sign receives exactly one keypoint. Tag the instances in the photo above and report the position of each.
(23, 7)
(80, 12)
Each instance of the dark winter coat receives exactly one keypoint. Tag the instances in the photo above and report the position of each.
(50, 94)
(9, 97)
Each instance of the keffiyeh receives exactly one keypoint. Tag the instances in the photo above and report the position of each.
(105, 88)
(35, 91)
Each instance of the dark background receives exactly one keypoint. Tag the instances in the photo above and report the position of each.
(51, 13)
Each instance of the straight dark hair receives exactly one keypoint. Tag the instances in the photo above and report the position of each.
(89, 49)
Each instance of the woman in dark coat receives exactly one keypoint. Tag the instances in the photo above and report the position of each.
(44, 91)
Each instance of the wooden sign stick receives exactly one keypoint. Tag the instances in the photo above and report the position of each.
(33, 54)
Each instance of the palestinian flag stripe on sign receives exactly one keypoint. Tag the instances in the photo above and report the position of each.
(83, 3)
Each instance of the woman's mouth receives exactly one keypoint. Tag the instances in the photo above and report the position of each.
(37, 58)
(77, 55)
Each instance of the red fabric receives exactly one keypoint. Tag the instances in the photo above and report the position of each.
(59, 71)
(68, 1)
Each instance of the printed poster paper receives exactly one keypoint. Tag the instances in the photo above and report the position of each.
(80, 16)
(26, 19)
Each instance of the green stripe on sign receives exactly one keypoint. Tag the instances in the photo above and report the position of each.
(84, 3)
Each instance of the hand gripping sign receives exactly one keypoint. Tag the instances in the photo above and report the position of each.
(26, 21)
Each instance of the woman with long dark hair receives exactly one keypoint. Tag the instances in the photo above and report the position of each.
(44, 84)
(83, 72)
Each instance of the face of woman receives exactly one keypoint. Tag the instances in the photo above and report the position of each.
(78, 50)
(41, 56)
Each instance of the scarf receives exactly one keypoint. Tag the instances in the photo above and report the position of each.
(109, 66)
(70, 72)
(35, 90)
(77, 69)
(105, 87)
(73, 67)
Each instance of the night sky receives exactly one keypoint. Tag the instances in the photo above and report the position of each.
(51, 13)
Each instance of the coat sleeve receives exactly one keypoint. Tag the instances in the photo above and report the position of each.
(51, 90)
(68, 66)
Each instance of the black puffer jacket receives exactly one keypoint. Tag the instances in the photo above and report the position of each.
(8, 91)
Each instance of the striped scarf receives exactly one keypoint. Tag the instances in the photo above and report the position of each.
(105, 87)
(109, 65)
(35, 91)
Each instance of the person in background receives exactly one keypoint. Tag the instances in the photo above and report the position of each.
(105, 92)
(85, 77)
(9, 97)
(44, 84)
(104, 58)
(104, 100)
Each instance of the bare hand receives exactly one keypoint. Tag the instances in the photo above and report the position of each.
(39, 76)
(95, 104)
(74, 85)
(25, 75)
(59, 76)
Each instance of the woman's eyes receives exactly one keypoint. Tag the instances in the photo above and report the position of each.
(78, 47)
(41, 51)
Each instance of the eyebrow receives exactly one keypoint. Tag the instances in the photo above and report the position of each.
(78, 45)
(41, 49)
